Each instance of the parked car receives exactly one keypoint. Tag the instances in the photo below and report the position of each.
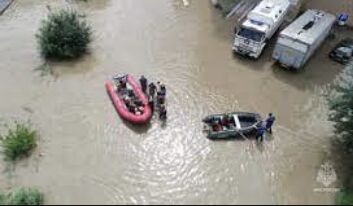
(343, 51)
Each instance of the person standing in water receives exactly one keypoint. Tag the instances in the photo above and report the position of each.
(162, 112)
(160, 98)
(260, 130)
(152, 89)
(161, 93)
(151, 103)
(269, 122)
(163, 90)
(143, 82)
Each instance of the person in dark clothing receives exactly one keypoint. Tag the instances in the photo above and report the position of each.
(218, 126)
(225, 122)
(163, 90)
(160, 98)
(138, 103)
(130, 93)
(143, 82)
(130, 107)
(163, 113)
(152, 89)
(123, 83)
(151, 103)
(260, 130)
(269, 122)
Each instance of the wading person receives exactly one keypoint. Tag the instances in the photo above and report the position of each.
(151, 103)
(143, 82)
(260, 130)
(160, 98)
(152, 89)
(163, 90)
(163, 113)
(269, 122)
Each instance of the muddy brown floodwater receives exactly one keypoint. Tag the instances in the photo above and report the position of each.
(89, 156)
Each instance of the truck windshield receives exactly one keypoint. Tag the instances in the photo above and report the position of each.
(251, 34)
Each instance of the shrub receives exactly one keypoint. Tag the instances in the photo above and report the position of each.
(18, 142)
(25, 196)
(64, 35)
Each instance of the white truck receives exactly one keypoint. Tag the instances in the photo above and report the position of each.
(260, 25)
(297, 43)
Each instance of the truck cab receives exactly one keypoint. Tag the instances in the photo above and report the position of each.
(260, 25)
(250, 40)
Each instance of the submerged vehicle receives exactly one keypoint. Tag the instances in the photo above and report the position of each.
(228, 125)
(129, 100)
(343, 51)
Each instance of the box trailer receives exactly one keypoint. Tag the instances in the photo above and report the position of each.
(298, 42)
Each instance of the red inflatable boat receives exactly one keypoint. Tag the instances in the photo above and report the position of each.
(120, 105)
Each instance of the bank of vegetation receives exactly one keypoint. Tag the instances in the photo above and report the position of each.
(65, 34)
(341, 113)
(22, 196)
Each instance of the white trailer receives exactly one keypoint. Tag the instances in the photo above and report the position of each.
(297, 43)
(260, 25)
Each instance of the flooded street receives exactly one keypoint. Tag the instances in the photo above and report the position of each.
(90, 156)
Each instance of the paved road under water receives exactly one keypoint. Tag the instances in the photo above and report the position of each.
(87, 155)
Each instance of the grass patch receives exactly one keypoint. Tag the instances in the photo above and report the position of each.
(344, 197)
(64, 35)
(18, 142)
(22, 196)
(2, 199)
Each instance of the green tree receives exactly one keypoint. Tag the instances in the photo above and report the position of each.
(341, 114)
(341, 108)
(344, 197)
(64, 35)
